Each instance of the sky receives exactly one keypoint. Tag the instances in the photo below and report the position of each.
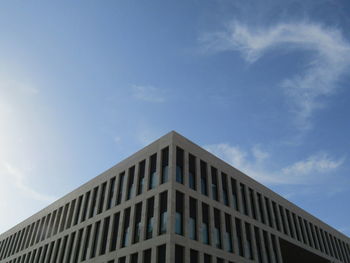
(263, 85)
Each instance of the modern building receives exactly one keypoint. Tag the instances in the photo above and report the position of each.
(173, 202)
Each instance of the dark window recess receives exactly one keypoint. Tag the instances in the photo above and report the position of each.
(120, 188)
(275, 213)
(104, 235)
(179, 165)
(267, 248)
(142, 169)
(258, 244)
(274, 248)
(302, 230)
(193, 256)
(165, 165)
(102, 198)
(224, 189)
(163, 214)
(239, 237)
(252, 203)
(261, 208)
(244, 199)
(192, 222)
(192, 171)
(93, 202)
(122, 260)
(296, 226)
(217, 229)
(94, 239)
(126, 228)
(249, 247)
(204, 178)
(134, 258)
(64, 245)
(153, 172)
(207, 258)
(290, 223)
(268, 208)
(179, 215)
(150, 218)
(214, 183)
(161, 254)
(115, 231)
(147, 256)
(78, 245)
(219, 260)
(283, 220)
(179, 254)
(228, 234)
(205, 224)
(85, 208)
(234, 194)
(55, 230)
(137, 224)
(110, 193)
(70, 247)
(64, 217)
(77, 213)
(131, 187)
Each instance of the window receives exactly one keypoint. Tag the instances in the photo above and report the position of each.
(258, 244)
(102, 198)
(214, 183)
(126, 228)
(224, 189)
(283, 220)
(134, 258)
(130, 191)
(219, 260)
(110, 192)
(149, 218)
(104, 236)
(192, 171)
(137, 225)
(275, 213)
(64, 217)
(290, 223)
(204, 184)
(161, 254)
(193, 256)
(244, 199)
(205, 224)
(165, 165)
(296, 226)
(141, 183)
(93, 202)
(267, 248)
(163, 213)
(86, 203)
(239, 237)
(122, 260)
(274, 248)
(228, 234)
(179, 213)
(179, 165)
(269, 217)
(261, 209)
(86, 243)
(94, 239)
(249, 248)
(217, 228)
(153, 168)
(78, 245)
(192, 223)
(147, 256)
(120, 188)
(252, 203)
(179, 254)
(207, 258)
(115, 231)
(234, 194)
(76, 217)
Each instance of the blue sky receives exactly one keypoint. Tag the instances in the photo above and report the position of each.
(264, 86)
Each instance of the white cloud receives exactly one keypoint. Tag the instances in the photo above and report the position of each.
(148, 93)
(331, 58)
(17, 178)
(255, 164)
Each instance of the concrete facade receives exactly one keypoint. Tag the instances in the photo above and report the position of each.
(189, 207)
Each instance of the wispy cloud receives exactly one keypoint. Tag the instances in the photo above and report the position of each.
(17, 178)
(255, 163)
(148, 93)
(330, 58)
